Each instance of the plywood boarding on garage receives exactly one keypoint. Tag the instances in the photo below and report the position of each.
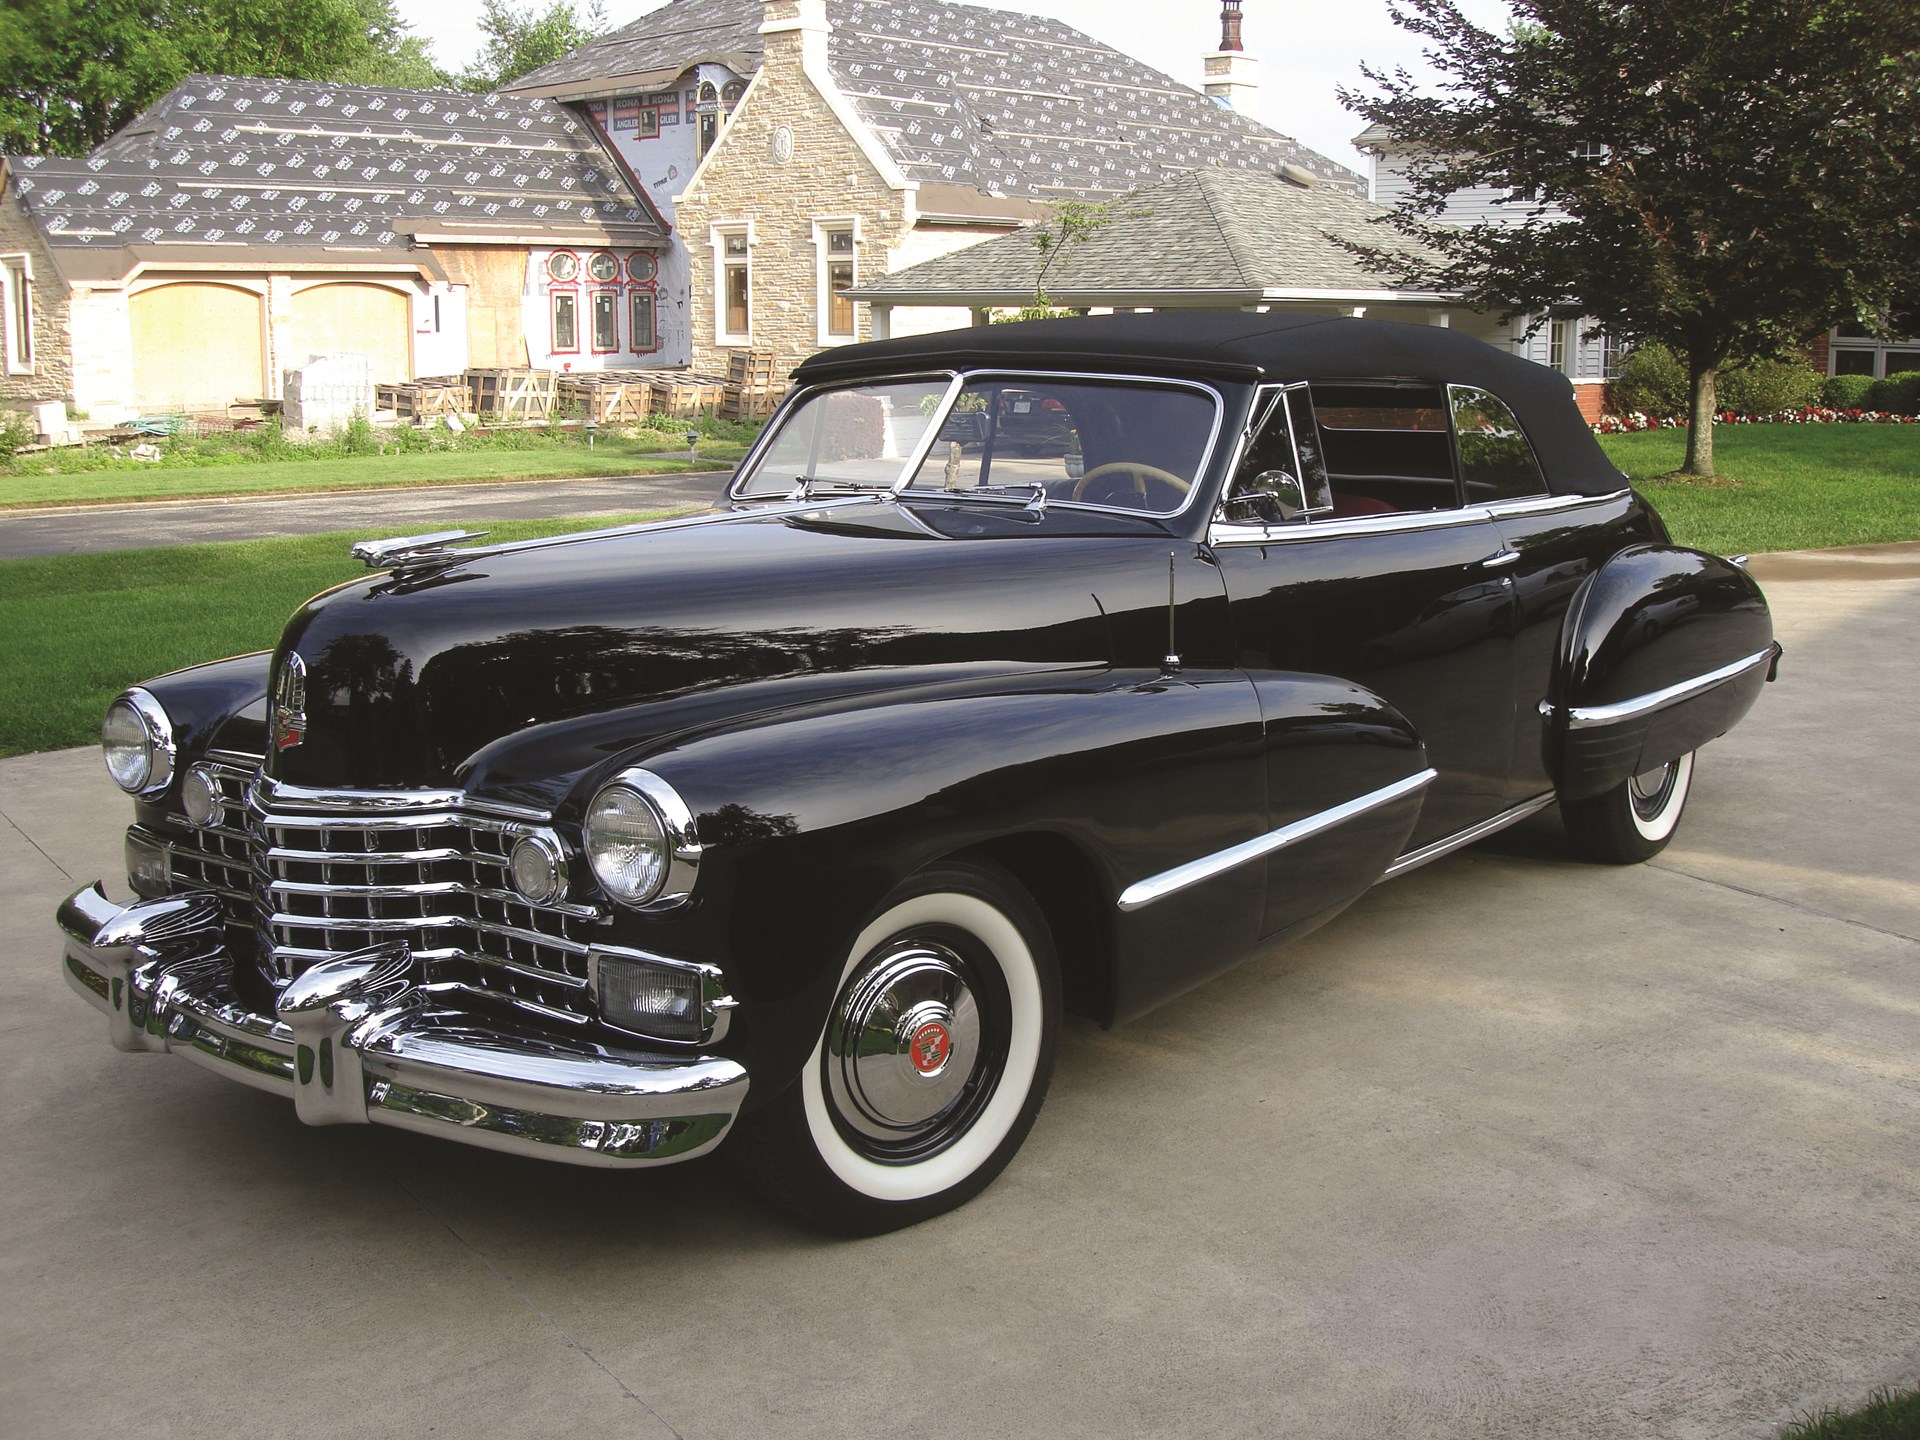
(370, 320)
(197, 346)
(494, 277)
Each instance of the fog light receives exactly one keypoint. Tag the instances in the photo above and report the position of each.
(538, 869)
(147, 870)
(200, 797)
(666, 999)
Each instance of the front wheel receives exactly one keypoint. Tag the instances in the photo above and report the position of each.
(931, 1067)
(1634, 820)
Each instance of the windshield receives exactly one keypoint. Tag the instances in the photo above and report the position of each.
(858, 438)
(1118, 444)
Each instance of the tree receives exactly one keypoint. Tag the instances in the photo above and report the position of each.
(1726, 177)
(522, 40)
(72, 72)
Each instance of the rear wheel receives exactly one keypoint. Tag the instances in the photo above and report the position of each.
(1634, 820)
(931, 1067)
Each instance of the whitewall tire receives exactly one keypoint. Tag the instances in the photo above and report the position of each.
(1634, 820)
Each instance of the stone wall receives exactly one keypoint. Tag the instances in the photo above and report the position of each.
(784, 163)
(52, 377)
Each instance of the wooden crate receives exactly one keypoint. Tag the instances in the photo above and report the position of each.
(609, 397)
(745, 403)
(428, 398)
(751, 369)
(684, 393)
(514, 394)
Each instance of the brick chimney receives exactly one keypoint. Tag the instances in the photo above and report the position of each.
(795, 30)
(1230, 70)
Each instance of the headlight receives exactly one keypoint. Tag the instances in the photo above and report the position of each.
(200, 797)
(537, 869)
(639, 838)
(137, 739)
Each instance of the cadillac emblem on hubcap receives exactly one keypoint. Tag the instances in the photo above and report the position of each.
(290, 704)
(930, 1047)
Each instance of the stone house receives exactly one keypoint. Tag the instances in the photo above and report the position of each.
(862, 137)
(239, 226)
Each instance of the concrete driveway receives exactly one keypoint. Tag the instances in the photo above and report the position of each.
(75, 529)
(1518, 1147)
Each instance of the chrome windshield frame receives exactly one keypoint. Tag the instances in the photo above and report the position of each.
(901, 488)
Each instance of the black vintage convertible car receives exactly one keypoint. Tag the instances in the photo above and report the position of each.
(1046, 667)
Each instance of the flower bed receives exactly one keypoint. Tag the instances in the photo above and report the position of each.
(1809, 415)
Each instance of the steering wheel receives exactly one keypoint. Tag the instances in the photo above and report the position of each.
(1140, 472)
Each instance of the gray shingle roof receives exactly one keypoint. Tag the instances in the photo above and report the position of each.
(1009, 104)
(1246, 232)
(248, 162)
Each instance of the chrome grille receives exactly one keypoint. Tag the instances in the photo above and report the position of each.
(310, 884)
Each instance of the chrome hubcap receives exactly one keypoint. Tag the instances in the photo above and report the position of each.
(903, 1043)
(1650, 790)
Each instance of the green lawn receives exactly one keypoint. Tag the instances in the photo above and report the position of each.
(1798, 487)
(614, 455)
(77, 629)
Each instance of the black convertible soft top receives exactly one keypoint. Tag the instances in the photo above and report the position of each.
(1236, 345)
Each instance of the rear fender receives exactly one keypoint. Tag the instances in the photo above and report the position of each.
(1663, 650)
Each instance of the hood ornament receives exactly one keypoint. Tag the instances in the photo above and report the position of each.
(414, 552)
(290, 703)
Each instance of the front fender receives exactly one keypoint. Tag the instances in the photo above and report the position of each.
(1663, 650)
(809, 819)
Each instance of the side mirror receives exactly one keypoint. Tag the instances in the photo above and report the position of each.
(1272, 497)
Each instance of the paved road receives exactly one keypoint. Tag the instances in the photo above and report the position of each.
(78, 529)
(1518, 1147)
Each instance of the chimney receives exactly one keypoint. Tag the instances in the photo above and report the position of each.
(1230, 70)
(795, 30)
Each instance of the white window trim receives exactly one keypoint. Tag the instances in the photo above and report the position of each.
(717, 237)
(17, 269)
(823, 226)
(1865, 345)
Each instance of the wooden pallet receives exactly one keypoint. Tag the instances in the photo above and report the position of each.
(751, 369)
(609, 397)
(745, 403)
(514, 394)
(428, 398)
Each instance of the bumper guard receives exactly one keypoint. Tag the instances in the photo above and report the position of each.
(359, 1039)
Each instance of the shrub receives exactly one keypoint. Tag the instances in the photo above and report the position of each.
(15, 432)
(1766, 387)
(1651, 381)
(358, 438)
(1899, 394)
(1846, 392)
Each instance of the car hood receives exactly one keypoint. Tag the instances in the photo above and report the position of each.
(590, 647)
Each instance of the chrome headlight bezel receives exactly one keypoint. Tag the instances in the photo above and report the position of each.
(680, 867)
(161, 751)
(543, 847)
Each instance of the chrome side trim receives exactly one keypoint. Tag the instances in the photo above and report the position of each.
(1446, 845)
(1167, 882)
(1585, 717)
(1227, 533)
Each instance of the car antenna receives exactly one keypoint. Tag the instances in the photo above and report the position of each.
(1170, 662)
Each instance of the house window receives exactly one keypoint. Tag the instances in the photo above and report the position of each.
(1853, 350)
(836, 280)
(1560, 345)
(566, 322)
(606, 321)
(709, 108)
(641, 333)
(734, 282)
(16, 314)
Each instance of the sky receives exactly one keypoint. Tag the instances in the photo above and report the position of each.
(1306, 48)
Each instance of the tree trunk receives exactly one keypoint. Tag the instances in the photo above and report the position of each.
(1700, 410)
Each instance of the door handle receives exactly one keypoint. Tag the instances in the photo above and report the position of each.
(1500, 558)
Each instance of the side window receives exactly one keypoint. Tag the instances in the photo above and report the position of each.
(1386, 445)
(1496, 462)
(1282, 475)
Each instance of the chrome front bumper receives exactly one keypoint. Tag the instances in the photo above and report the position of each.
(357, 1039)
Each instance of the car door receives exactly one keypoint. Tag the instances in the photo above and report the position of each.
(1380, 578)
(1551, 544)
